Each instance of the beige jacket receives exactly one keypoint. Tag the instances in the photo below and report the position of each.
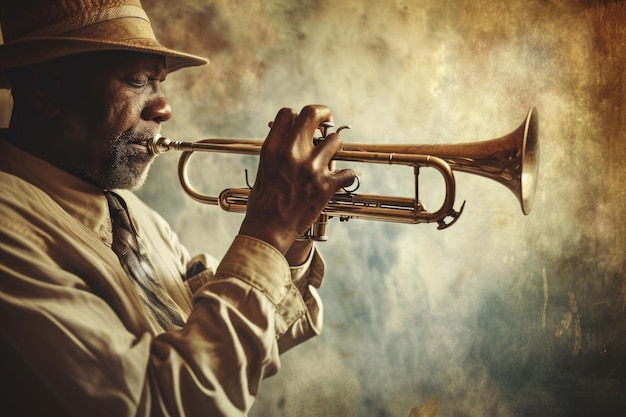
(75, 338)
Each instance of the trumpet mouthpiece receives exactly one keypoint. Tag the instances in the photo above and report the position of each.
(158, 144)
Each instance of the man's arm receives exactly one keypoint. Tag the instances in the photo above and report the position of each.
(92, 358)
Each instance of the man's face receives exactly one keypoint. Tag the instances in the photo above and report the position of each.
(112, 105)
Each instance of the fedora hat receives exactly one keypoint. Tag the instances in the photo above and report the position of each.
(36, 31)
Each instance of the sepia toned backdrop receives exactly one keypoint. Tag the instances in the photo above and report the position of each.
(501, 314)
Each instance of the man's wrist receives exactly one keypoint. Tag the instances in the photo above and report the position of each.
(299, 252)
(273, 236)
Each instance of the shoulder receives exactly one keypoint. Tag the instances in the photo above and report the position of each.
(16, 192)
(19, 197)
(22, 208)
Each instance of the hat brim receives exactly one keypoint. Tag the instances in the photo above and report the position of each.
(36, 50)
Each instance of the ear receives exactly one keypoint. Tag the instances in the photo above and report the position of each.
(46, 90)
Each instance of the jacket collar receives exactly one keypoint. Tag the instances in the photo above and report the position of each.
(82, 200)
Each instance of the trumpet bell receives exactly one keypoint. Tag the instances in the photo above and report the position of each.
(530, 162)
(512, 160)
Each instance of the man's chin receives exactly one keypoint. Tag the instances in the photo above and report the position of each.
(139, 182)
(129, 178)
(136, 178)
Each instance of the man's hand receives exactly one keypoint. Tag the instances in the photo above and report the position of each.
(293, 183)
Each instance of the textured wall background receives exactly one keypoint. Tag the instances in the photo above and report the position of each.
(501, 314)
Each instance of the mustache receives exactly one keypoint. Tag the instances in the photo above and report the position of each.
(130, 136)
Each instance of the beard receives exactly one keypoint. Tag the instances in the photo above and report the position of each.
(124, 162)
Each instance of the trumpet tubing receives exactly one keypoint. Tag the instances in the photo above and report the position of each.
(511, 160)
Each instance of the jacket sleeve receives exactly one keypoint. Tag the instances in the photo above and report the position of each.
(75, 345)
(306, 278)
(232, 338)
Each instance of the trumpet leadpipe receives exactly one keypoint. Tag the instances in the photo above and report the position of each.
(351, 153)
(160, 144)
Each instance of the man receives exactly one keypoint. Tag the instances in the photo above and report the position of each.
(102, 311)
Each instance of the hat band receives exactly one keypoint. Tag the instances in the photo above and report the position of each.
(83, 20)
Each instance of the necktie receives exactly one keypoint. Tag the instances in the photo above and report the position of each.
(126, 246)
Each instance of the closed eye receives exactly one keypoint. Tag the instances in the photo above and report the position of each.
(143, 82)
(138, 82)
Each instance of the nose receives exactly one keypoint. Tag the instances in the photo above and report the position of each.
(158, 109)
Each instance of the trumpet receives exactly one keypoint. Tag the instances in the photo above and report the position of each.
(512, 160)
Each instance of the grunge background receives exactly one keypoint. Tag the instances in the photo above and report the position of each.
(499, 315)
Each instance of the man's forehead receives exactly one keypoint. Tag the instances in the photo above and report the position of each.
(144, 62)
(121, 60)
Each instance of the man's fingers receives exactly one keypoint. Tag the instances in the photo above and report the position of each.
(326, 150)
(294, 128)
(328, 147)
(310, 118)
(343, 178)
(283, 122)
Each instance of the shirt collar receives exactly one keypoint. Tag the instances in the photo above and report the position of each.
(80, 199)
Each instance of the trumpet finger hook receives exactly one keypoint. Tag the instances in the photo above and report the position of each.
(455, 216)
(323, 128)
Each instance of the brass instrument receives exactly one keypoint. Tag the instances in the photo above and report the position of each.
(511, 160)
